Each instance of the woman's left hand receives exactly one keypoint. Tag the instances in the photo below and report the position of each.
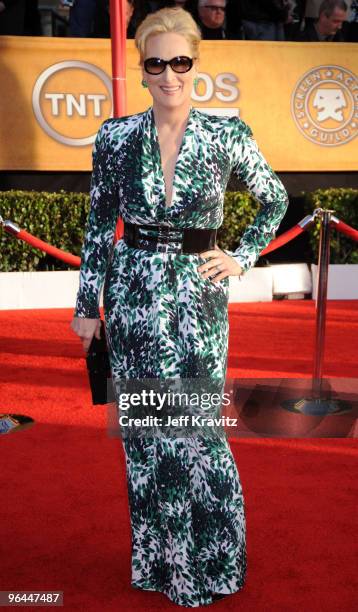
(219, 264)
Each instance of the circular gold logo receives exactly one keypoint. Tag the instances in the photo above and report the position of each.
(324, 105)
(69, 100)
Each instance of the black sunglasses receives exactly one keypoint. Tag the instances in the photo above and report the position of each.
(181, 63)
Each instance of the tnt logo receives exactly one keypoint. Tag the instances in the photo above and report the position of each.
(69, 98)
(324, 105)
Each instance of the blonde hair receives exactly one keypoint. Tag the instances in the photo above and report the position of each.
(173, 19)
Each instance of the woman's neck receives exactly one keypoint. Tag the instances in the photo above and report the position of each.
(171, 118)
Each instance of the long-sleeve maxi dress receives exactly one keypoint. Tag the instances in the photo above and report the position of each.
(163, 319)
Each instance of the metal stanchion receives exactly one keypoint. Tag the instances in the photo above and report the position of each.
(321, 301)
(320, 401)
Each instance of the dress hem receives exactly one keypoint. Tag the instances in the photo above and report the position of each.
(177, 602)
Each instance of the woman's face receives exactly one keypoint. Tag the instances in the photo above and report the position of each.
(169, 89)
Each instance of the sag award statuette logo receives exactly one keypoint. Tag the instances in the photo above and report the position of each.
(324, 105)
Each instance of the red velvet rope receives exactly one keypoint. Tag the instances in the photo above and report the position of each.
(74, 260)
(68, 258)
(347, 230)
(283, 239)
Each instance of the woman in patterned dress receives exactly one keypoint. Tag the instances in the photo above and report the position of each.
(166, 310)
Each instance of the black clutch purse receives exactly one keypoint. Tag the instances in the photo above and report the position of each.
(99, 369)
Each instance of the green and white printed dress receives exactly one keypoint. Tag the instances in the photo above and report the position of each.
(164, 320)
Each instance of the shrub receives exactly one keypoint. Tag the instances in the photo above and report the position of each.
(60, 219)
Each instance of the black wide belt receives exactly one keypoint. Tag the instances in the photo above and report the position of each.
(168, 239)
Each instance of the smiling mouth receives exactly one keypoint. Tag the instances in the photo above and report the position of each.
(170, 90)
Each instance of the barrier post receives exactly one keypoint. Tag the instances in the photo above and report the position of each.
(321, 300)
(118, 27)
(320, 401)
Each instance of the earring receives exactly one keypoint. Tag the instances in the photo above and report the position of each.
(196, 81)
(144, 83)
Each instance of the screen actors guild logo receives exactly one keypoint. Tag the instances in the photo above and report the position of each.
(324, 105)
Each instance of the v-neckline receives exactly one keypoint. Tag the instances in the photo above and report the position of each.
(159, 158)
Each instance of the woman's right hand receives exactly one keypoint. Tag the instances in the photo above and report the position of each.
(86, 329)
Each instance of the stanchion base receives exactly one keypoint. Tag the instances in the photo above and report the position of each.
(10, 423)
(317, 406)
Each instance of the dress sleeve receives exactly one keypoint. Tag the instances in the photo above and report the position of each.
(252, 169)
(99, 233)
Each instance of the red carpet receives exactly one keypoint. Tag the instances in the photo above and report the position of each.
(64, 513)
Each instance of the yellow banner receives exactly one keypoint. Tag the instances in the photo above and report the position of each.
(300, 99)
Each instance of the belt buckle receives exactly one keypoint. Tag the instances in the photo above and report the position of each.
(162, 235)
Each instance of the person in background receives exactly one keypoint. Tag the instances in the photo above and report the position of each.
(211, 18)
(80, 17)
(328, 27)
(102, 23)
(264, 20)
(295, 18)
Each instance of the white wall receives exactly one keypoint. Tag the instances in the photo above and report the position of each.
(23, 290)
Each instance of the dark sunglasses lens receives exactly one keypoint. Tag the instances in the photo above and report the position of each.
(181, 64)
(154, 65)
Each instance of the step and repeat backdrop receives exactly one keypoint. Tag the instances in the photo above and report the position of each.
(301, 100)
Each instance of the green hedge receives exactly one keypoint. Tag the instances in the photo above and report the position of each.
(344, 203)
(60, 219)
(56, 218)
